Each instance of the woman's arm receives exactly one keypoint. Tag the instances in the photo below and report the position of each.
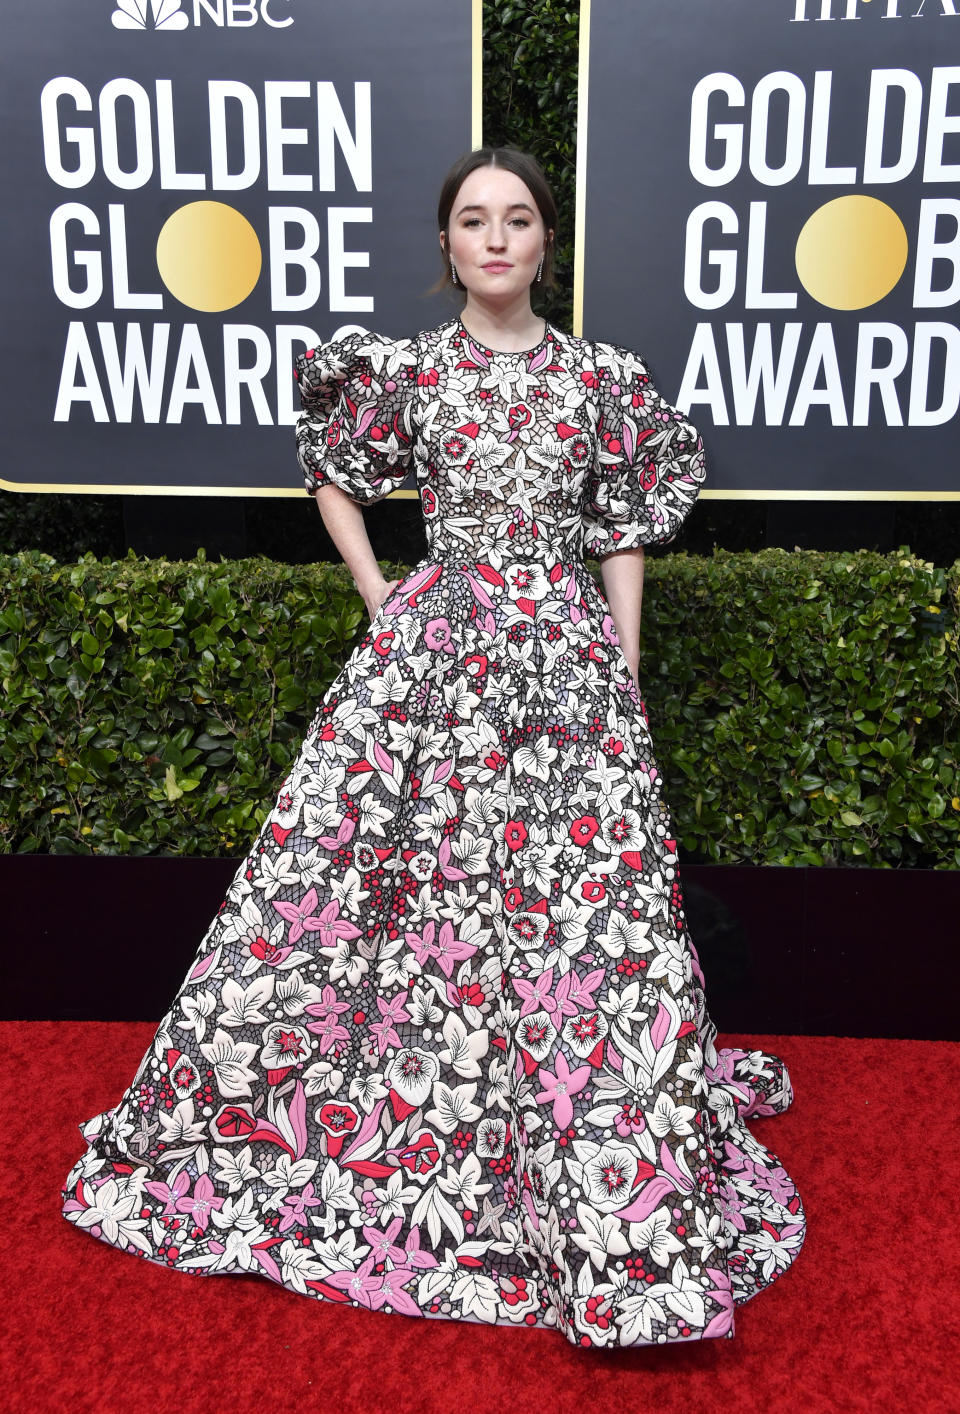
(344, 523)
(622, 575)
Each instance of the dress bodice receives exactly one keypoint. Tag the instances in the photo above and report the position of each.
(558, 451)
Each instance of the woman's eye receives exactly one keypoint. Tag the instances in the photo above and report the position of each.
(520, 221)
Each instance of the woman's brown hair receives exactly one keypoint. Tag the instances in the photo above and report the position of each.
(522, 165)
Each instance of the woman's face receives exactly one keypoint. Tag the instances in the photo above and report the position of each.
(496, 235)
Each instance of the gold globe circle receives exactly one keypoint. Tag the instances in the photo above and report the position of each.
(851, 252)
(208, 256)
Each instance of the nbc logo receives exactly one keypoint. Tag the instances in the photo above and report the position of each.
(166, 14)
(171, 15)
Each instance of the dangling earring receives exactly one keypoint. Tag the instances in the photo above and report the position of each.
(540, 270)
(453, 273)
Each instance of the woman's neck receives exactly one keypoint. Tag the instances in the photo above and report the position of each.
(509, 327)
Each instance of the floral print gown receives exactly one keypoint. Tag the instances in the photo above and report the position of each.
(444, 1050)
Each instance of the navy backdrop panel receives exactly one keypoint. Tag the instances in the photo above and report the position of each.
(209, 165)
(771, 220)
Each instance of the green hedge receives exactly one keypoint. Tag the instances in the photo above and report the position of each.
(804, 706)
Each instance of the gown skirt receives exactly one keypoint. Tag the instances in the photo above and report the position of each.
(444, 1050)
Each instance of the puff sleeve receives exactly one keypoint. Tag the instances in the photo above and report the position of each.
(649, 466)
(356, 425)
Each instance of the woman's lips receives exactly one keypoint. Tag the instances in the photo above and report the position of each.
(497, 265)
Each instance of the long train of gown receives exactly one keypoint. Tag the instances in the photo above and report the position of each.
(444, 1049)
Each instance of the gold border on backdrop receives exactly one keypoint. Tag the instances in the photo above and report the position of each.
(579, 258)
(476, 140)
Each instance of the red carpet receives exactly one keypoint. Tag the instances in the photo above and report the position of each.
(867, 1320)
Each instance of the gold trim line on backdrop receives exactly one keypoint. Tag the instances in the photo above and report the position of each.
(741, 494)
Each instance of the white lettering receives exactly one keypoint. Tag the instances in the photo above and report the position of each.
(289, 337)
(109, 144)
(820, 173)
(920, 414)
(221, 178)
(939, 125)
(356, 145)
(756, 297)
(730, 135)
(81, 138)
(339, 259)
(724, 260)
(790, 84)
(79, 381)
(170, 178)
(89, 260)
(929, 250)
(279, 137)
(282, 256)
(135, 376)
(822, 355)
(123, 296)
(241, 14)
(191, 358)
(703, 356)
(881, 82)
(775, 380)
(269, 20)
(235, 375)
(870, 375)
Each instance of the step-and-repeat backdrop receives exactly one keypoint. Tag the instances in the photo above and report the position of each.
(195, 191)
(769, 216)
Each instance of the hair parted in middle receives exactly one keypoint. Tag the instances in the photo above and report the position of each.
(522, 165)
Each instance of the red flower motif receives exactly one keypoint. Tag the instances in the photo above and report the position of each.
(235, 1122)
(583, 829)
(515, 834)
(338, 1119)
(421, 1156)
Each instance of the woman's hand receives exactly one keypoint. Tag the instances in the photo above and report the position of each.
(377, 594)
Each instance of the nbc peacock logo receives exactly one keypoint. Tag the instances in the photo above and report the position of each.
(149, 14)
(170, 15)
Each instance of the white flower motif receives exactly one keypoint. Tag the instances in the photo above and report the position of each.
(412, 1073)
(231, 1063)
(654, 1235)
(112, 1212)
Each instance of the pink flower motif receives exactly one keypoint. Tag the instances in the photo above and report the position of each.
(558, 1088)
(169, 1194)
(329, 1031)
(294, 1207)
(414, 1253)
(437, 636)
(392, 1012)
(382, 1243)
(327, 1027)
(363, 1285)
(327, 923)
(201, 1203)
(536, 994)
(447, 949)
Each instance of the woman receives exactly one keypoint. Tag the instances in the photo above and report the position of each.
(445, 1050)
